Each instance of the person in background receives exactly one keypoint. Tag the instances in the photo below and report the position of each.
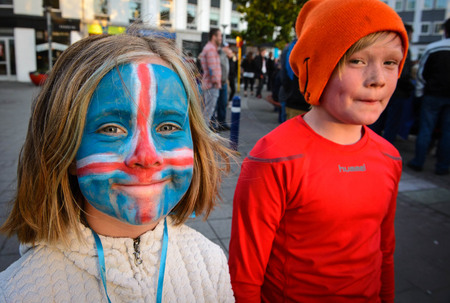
(291, 99)
(106, 179)
(314, 206)
(248, 72)
(433, 84)
(261, 70)
(222, 101)
(212, 73)
(270, 71)
(232, 61)
(392, 118)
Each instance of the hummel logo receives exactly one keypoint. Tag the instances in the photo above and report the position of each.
(349, 169)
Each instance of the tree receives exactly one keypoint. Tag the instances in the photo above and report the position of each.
(265, 17)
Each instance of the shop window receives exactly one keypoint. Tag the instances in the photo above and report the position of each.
(214, 16)
(438, 28)
(425, 28)
(135, 10)
(441, 3)
(215, 3)
(165, 13)
(101, 7)
(410, 5)
(191, 16)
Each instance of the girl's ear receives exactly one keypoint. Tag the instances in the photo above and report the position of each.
(73, 169)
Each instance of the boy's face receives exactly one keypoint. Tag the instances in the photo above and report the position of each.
(135, 161)
(362, 90)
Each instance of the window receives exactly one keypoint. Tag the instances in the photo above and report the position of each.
(428, 4)
(398, 5)
(101, 7)
(165, 9)
(191, 16)
(410, 5)
(135, 9)
(192, 1)
(215, 3)
(235, 19)
(425, 28)
(438, 28)
(441, 3)
(214, 16)
(51, 3)
(6, 2)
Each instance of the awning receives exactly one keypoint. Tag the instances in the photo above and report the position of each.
(55, 45)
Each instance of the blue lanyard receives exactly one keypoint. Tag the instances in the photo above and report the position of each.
(162, 265)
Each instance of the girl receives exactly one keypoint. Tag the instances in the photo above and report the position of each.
(116, 158)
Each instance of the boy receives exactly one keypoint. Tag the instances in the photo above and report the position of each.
(313, 220)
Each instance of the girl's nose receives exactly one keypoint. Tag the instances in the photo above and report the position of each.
(144, 154)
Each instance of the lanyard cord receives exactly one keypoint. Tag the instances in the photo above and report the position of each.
(162, 265)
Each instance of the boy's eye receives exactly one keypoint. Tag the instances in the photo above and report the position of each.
(356, 61)
(391, 62)
(111, 129)
(167, 128)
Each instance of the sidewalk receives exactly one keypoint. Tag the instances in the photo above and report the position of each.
(423, 212)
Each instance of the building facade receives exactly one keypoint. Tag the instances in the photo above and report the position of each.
(25, 24)
(426, 17)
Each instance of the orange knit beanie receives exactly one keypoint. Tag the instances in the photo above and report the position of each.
(326, 29)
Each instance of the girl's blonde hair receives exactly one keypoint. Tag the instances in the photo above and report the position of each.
(48, 201)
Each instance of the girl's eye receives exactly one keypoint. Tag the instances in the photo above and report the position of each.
(167, 128)
(111, 130)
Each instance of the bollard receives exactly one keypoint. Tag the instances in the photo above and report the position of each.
(235, 118)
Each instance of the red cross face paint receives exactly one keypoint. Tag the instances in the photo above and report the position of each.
(135, 161)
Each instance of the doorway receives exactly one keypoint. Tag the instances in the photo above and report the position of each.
(7, 59)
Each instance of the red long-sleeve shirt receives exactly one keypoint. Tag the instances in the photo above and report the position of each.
(313, 221)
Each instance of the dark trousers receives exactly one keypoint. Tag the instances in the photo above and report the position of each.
(232, 88)
(261, 80)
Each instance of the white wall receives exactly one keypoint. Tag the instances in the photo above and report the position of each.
(25, 51)
(150, 12)
(71, 9)
(28, 7)
(225, 15)
(203, 15)
(119, 11)
(180, 14)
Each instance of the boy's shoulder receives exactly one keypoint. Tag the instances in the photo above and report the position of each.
(384, 146)
(286, 140)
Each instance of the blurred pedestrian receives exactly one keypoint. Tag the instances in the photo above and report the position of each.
(314, 206)
(222, 101)
(290, 97)
(433, 84)
(395, 116)
(270, 71)
(261, 70)
(232, 61)
(106, 180)
(249, 72)
(212, 73)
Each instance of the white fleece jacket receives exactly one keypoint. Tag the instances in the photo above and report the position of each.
(196, 270)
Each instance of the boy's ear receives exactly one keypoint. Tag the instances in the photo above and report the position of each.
(73, 168)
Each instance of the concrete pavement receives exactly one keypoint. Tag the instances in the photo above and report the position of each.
(423, 214)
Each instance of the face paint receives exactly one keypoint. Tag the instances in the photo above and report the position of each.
(135, 161)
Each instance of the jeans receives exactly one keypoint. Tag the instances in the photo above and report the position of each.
(210, 97)
(433, 109)
(222, 102)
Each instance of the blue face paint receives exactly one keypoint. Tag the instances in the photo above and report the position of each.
(135, 161)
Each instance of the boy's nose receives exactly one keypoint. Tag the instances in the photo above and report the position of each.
(375, 76)
(144, 154)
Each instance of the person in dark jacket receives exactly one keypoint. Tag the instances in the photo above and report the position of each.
(433, 83)
(249, 71)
